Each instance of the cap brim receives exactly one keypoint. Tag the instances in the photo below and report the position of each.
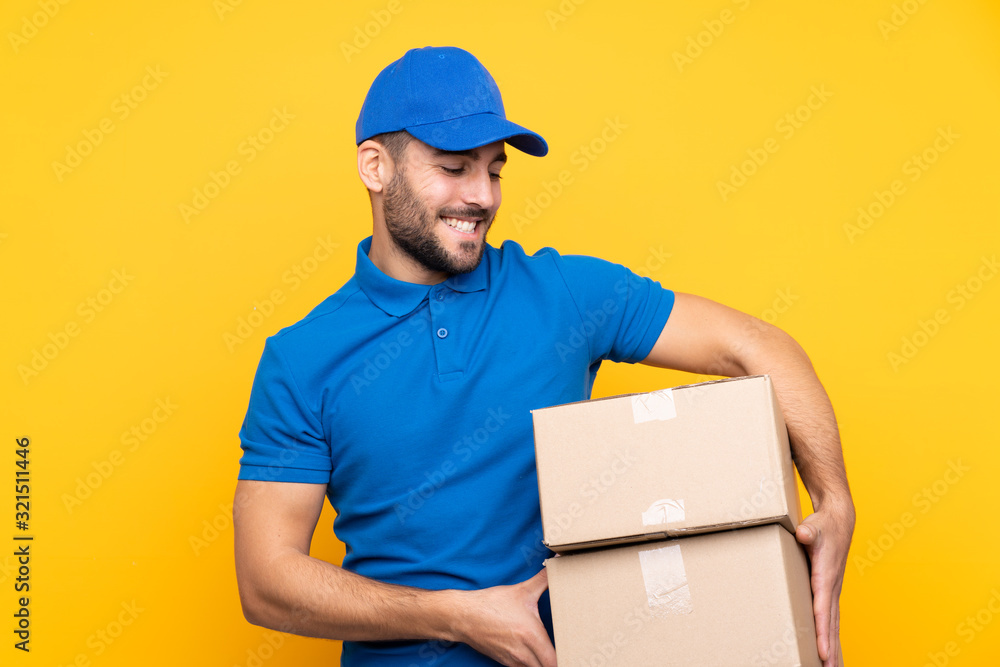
(462, 134)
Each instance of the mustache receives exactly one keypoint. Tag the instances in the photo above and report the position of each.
(464, 213)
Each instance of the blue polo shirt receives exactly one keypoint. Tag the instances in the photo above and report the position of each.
(412, 403)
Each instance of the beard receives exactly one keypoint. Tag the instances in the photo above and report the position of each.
(413, 229)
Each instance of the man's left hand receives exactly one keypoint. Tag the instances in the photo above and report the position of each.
(826, 535)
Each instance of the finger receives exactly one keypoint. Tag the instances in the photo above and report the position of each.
(821, 609)
(528, 659)
(532, 647)
(537, 584)
(808, 534)
(547, 654)
(825, 607)
(835, 651)
(822, 594)
(542, 648)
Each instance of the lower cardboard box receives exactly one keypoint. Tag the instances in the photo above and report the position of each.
(739, 597)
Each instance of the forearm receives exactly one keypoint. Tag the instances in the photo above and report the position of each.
(307, 596)
(808, 413)
(282, 587)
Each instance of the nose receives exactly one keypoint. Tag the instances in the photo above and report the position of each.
(478, 189)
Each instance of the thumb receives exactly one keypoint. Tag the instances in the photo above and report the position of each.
(807, 533)
(537, 584)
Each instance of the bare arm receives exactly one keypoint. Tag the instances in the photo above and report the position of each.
(284, 588)
(702, 336)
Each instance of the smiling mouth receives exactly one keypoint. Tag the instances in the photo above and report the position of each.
(465, 226)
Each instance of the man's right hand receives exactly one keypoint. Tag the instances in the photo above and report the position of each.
(503, 623)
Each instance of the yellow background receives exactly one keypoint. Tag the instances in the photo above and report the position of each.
(149, 543)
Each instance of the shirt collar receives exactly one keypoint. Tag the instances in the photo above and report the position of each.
(398, 298)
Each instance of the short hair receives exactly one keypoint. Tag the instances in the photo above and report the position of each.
(395, 143)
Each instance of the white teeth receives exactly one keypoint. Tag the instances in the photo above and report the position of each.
(460, 225)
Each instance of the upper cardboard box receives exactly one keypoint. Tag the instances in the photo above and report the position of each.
(691, 459)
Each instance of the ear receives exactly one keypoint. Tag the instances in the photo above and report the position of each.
(375, 167)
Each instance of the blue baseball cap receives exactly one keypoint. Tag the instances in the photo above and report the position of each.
(444, 97)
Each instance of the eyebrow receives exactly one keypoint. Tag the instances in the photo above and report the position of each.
(472, 153)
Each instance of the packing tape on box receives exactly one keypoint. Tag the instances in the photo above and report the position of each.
(663, 511)
(654, 406)
(666, 581)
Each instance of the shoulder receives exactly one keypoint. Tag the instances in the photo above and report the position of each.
(548, 264)
(512, 252)
(510, 255)
(325, 318)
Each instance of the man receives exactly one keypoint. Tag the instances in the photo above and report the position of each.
(405, 398)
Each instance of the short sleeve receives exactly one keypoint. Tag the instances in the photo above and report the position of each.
(621, 312)
(281, 437)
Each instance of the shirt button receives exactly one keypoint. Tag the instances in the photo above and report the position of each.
(439, 296)
(442, 333)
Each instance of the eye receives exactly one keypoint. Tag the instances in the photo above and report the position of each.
(495, 177)
(454, 171)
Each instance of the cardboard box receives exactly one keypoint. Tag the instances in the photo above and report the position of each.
(687, 460)
(735, 598)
